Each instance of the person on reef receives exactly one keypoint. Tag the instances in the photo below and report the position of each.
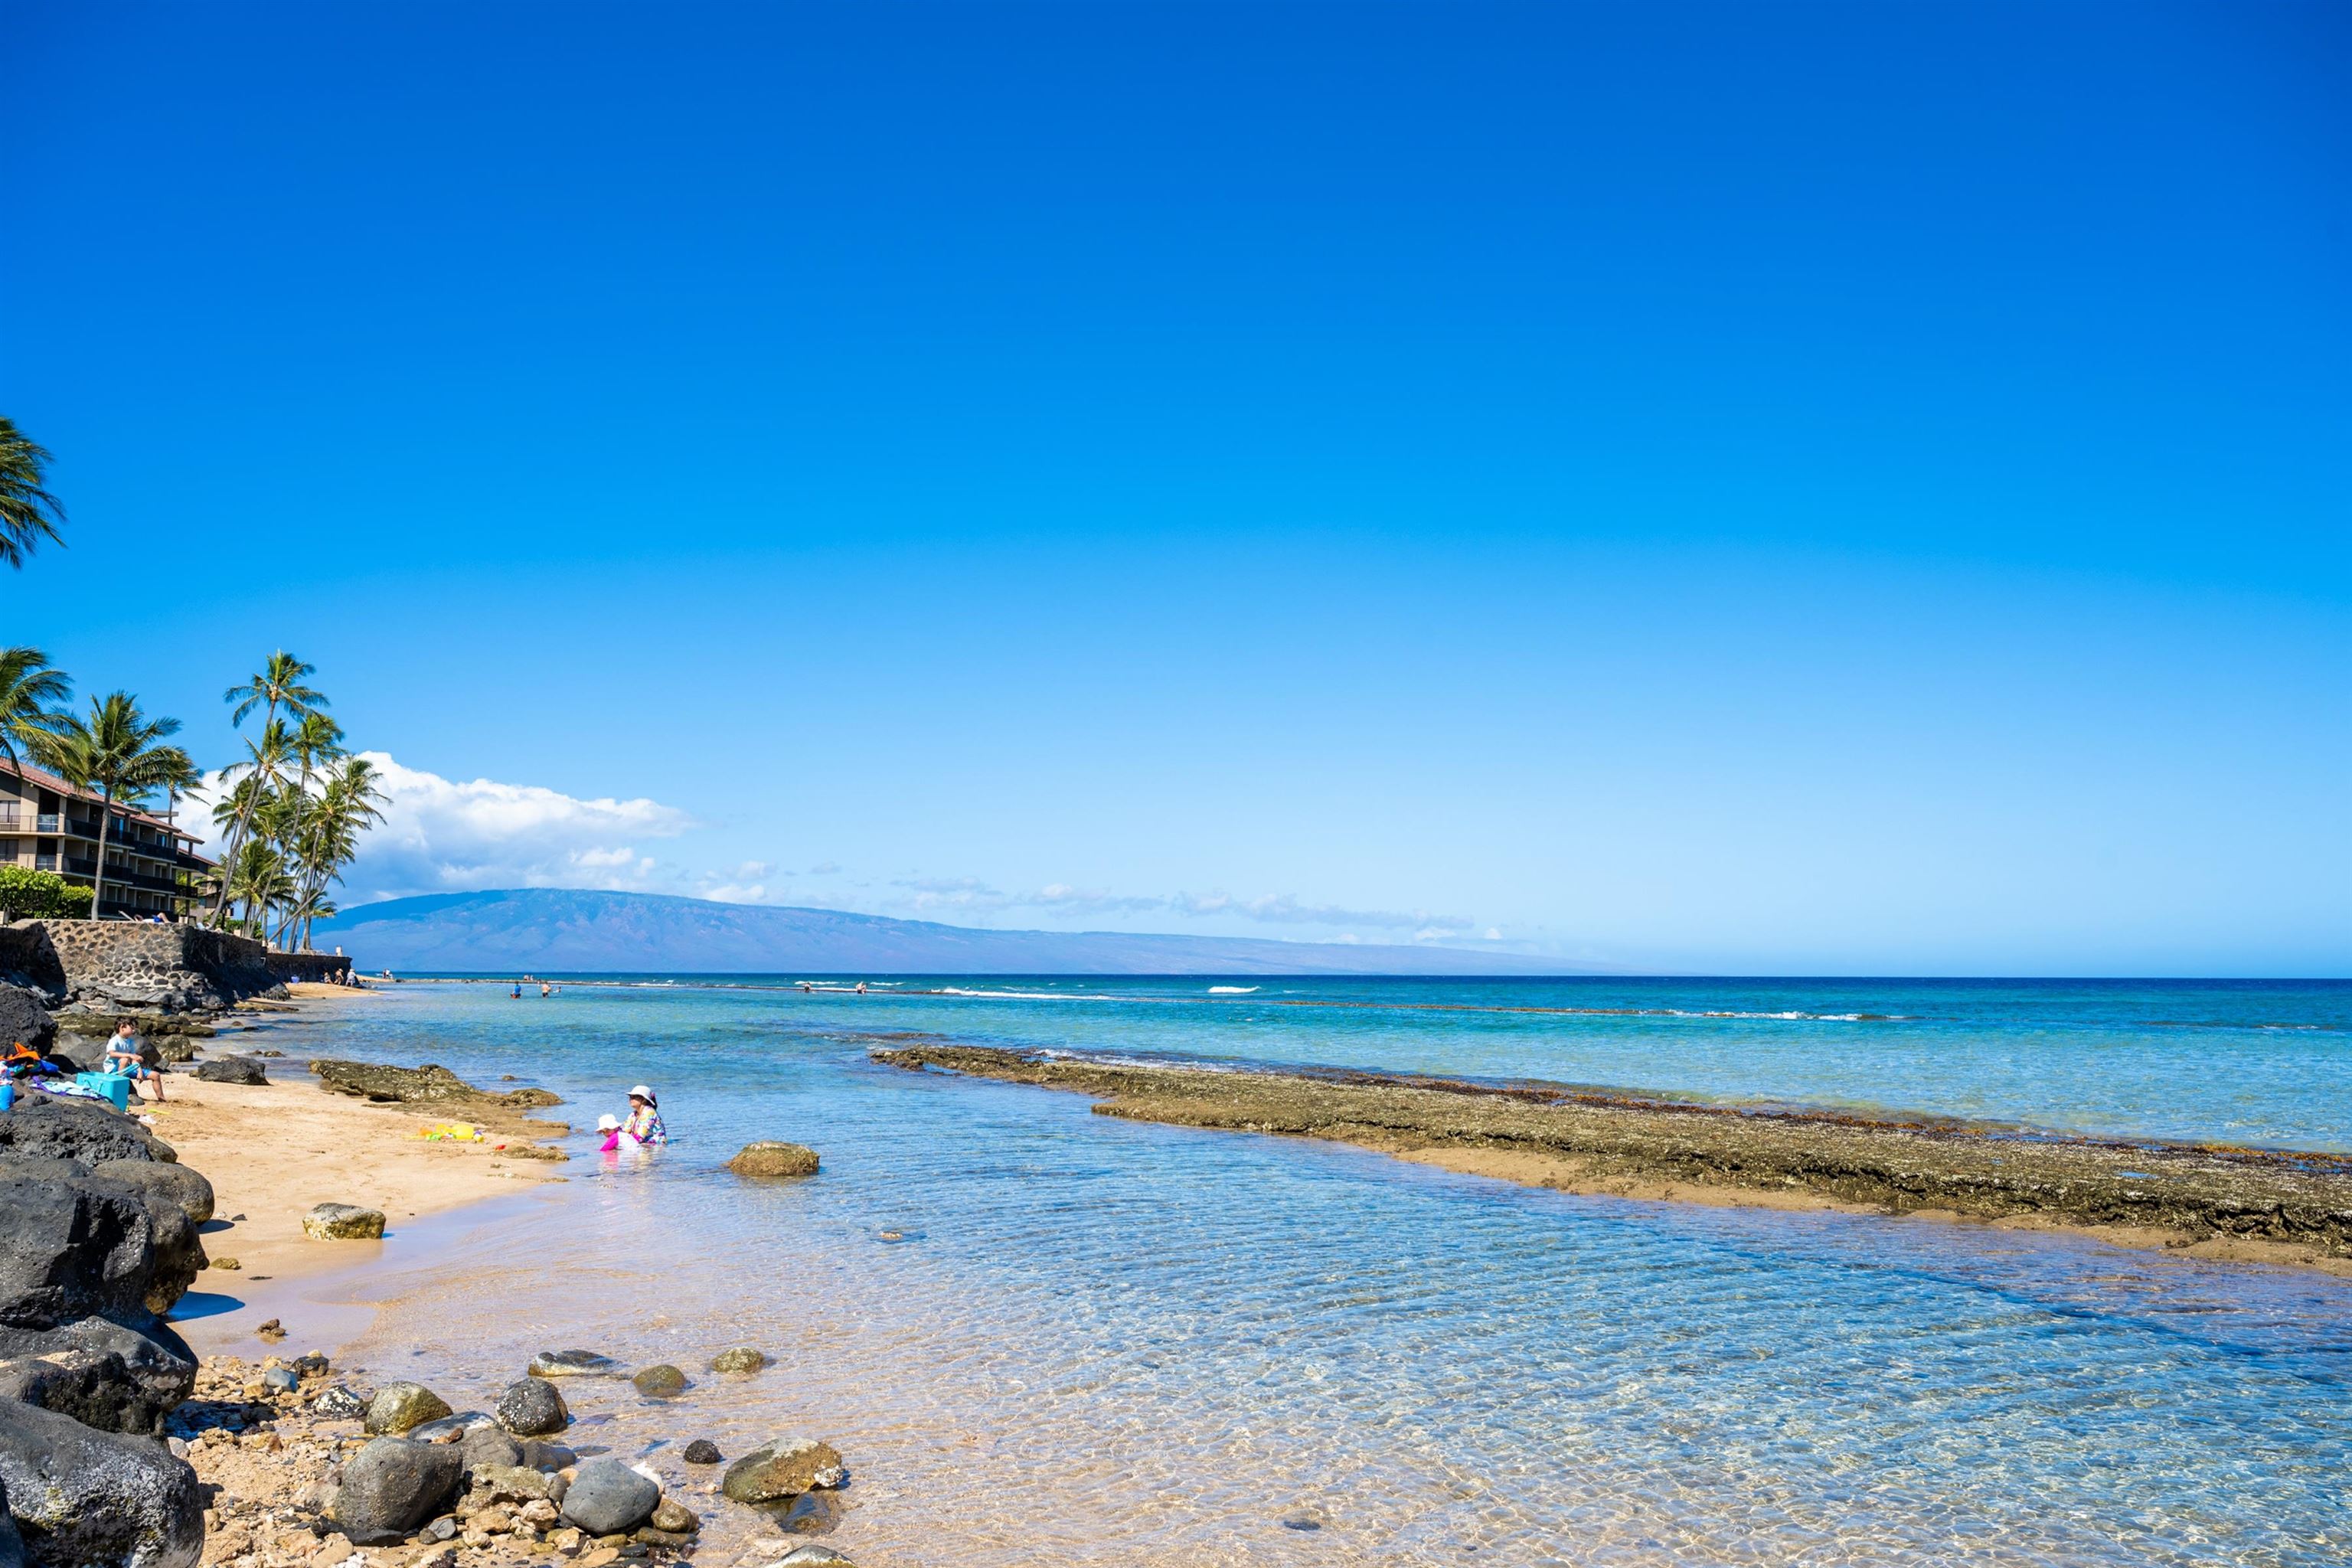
(126, 1054)
(643, 1122)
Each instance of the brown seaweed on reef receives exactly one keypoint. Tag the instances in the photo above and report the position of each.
(2184, 1194)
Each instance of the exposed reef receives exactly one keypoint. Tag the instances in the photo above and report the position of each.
(2217, 1201)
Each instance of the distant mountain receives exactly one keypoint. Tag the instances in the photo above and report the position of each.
(561, 930)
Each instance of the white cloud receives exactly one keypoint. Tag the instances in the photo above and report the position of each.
(441, 836)
(971, 896)
(1494, 934)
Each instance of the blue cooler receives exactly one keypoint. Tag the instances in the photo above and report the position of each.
(112, 1085)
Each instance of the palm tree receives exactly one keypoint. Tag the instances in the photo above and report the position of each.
(30, 690)
(29, 513)
(318, 739)
(277, 684)
(345, 808)
(257, 879)
(265, 763)
(119, 752)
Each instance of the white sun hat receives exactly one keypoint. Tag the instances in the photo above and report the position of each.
(607, 1122)
(642, 1092)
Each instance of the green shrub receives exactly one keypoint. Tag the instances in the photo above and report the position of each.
(28, 894)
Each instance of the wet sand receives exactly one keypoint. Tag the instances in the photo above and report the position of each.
(2208, 1202)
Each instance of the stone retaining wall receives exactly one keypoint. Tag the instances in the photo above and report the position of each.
(128, 966)
(329, 968)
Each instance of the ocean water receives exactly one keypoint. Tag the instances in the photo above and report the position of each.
(1041, 1335)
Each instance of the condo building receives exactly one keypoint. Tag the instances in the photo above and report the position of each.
(152, 866)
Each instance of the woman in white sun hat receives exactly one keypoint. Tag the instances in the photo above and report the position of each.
(643, 1122)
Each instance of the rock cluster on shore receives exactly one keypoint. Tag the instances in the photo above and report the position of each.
(293, 1484)
(94, 1247)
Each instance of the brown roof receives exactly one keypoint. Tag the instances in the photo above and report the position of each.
(41, 778)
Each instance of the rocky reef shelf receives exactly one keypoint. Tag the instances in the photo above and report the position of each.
(2222, 1203)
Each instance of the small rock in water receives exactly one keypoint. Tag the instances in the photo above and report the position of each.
(225, 1263)
(548, 1457)
(1301, 1521)
(702, 1451)
(774, 1159)
(397, 1406)
(454, 1428)
(339, 1402)
(270, 1331)
(574, 1364)
(814, 1556)
(607, 1498)
(662, 1381)
(785, 1468)
(673, 1517)
(741, 1359)
(343, 1222)
(532, 1408)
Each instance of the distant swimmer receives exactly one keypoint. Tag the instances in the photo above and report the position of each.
(806, 986)
(517, 991)
(545, 989)
(861, 988)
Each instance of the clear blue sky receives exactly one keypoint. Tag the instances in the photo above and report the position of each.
(1788, 488)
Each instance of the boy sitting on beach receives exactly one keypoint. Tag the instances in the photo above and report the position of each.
(126, 1054)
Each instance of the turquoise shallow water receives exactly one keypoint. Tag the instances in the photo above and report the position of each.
(1098, 1342)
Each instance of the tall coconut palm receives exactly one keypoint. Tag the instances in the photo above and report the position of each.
(257, 879)
(279, 683)
(269, 758)
(346, 807)
(276, 684)
(119, 752)
(30, 690)
(318, 741)
(29, 512)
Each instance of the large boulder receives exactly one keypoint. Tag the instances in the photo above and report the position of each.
(397, 1406)
(771, 1160)
(532, 1408)
(81, 1130)
(83, 1499)
(103, 1374)
(23, 1021)
(390, 1085)
(12, 1540)
(72, 1247)
(392, 1486)
(783, 1469)
(232, 1069)
(606, 1498)
(175, 1184)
